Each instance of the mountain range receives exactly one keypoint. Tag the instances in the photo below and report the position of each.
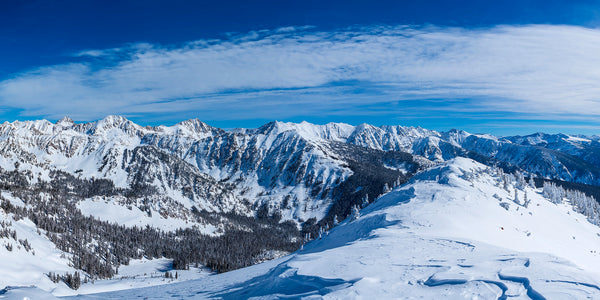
(241, 169)
(146, 188)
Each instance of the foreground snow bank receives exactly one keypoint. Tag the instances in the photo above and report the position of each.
(24, 293)
(455, 231)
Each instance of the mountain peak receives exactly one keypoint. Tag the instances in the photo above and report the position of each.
(65, 122)
(365, 126)
(309, 131)
(194, 125)
(120, 122)
(113, 119)
(271, 127)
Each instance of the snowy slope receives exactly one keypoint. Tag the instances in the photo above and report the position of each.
(23, 267)
(110, 209)
(443, 235)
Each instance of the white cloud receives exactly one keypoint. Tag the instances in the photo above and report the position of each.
(293, 71)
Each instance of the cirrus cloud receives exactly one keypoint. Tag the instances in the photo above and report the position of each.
(536, 71)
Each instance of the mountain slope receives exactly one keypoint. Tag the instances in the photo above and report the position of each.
(454, 231)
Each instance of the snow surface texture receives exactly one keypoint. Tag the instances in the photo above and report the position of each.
(446, 234)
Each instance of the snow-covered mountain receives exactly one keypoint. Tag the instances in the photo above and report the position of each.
(292, 168)
(559, 156)
(193, 163)
(299, 171)
(584, 147)
(107, 194)
(112, 192)
(458, 230)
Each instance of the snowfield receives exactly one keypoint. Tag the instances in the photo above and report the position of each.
(453, 232)
(23, 267)
(109, 209)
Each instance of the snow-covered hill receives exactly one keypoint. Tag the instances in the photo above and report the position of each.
(455, 231)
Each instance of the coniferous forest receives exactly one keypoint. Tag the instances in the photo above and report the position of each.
(99, 247)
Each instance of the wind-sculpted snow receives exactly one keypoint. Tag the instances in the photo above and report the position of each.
(284, 282)
(441, 236)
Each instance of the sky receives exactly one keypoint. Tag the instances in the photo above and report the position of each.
(500, 67)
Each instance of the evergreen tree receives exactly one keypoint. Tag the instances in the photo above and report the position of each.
(355, 213)
(365, 201)
(532, 182)
(386, 188)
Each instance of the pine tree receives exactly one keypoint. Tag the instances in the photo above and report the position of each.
(531, 182)
(386, 188)
(520, 180)
(76, 281)
(355, 213)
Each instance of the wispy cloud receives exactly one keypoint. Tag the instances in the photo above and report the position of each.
(537, 70)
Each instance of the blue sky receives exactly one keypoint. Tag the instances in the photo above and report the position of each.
(505, 67)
